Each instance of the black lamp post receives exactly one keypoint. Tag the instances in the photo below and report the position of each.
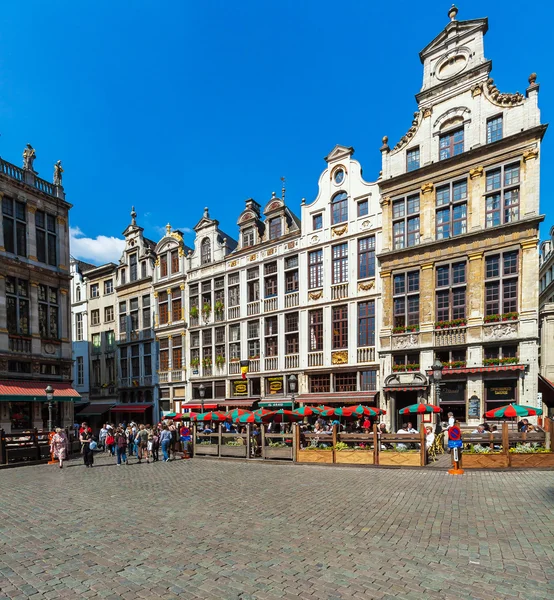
(437, 377)
(293, 380)
(202, 392)
(49, 396)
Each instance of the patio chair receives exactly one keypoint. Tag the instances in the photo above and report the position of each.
(437, 447)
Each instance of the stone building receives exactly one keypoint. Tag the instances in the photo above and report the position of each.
(137, 349)
(35, 344)
(546, 324)
(459, 262)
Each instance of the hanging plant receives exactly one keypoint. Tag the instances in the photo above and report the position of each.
(220, 360)
(206, 309)
(194, 362)
(219, 307)
(194, 312)
(207, 362)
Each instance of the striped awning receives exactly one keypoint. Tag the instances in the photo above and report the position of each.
(95, 409)
(409, 388)
(33, 391)
(234, 402)
(487, 369)
(337, 398)
(131, 408)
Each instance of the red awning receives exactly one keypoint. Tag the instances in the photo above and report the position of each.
(337, 398)
(191, 406)
(34, 391)
(487, 369)
(232, 402)
(131, 408)
(410, 388)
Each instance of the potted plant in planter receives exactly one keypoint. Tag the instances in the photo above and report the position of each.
(277, 450)
(399, 456)
(194, 312)
(219, 307)
(220, 360)
(530, 455)
(511, 316)
(206, 310)
(492, 318)
(353, 455)
(483, 457)
(194, 362)
(207, 362)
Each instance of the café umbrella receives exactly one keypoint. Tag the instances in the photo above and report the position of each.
(306, 411)
(513, 410)
(420, 409)
(237, 412)
(358, 411)
(262, 412)
(282, 416)
(211, 416)
(248, 418)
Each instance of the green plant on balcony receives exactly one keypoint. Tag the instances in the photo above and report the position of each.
(207, 362)
(219, 307)
(234, 360)
(220, 360)
(406, 367)
(509, 316)
(405, 329)
(194, 362)
(454, 364)
(450, 324)
(194, 312)
(206, 310)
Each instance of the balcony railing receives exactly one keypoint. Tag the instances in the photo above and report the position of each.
(194, 321)
(270, 304)
(11, 170)
(233, 312)
(450, 337)
(366, 354)
(253, 308)
(315, 359)
(207, 371)
(272, 363)
(292, 299)
(234, 368)
(163, 376)
(254, 365)
(20, 345)
(177, 375)
(339, 291)
(292, 361)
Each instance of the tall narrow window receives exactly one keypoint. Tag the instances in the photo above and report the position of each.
(406, 299)
(451, 200)
(494, 129)
(133, 274)
(315, 260)
(340, 326)
(79, 327)
(501, 283)
(340, 263)
(48, 311)
(363, 208)
(366, 257)
(108, 287)
(163, 265)
(174, 261)
(176, 305)
(134, 310)
(291, 333)
(80, 371)
(405, 222)
(14, 220)
(317, 221)
(248, 237)
(275, 228)
(339, 208)
(206, 251)
(94, 290)
(316, 330)
(46, 238)
(164, 354)
(176, 352)
(271, 336)
(451, 292)
(163, 307)
(502, 195)
(451, 143)
(412, 159)
(17, 304)
(253, 336)
(366, 323)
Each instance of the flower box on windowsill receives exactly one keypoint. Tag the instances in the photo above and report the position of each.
(450, 324)
(405, 329)
(455, 364)
(403, 368)
(511, 316)
(509, 360)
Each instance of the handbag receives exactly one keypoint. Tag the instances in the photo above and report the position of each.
(93, 445)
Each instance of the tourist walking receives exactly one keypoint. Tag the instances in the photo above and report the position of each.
(121, 446)
(142, 444)
(155, 445)
(110, 442)
(102, 437)
(165, 441)
(130, 440)
(58, 446)
(85, 437)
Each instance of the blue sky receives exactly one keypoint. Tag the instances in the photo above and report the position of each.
(173, 105)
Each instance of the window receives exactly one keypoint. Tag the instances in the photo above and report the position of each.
(346, 382)
(502, 199)
(315, 260)
(108, 314)
(406, 299)
(405, 224)
(133, 274)
(96, 343)
(122, 317)
(110, 340)
(340, 263)
(164, 354)
(248, 237)
(123, 276)
(176, 352)
(135, 362)
(339, 208)
(291, 281)
(291, 262)
(451, 201)
(133, 305)
(110, 371)
(206, 251)
(271, 286)
(174, 261)
(368, 381)
(14, 220)
(317, 221)
(275, 228)
(340, 326)
(366, 323)
(163, 265)
(234, 295)
(366, 257)
(451, 292)
(412, 159)
(405, 362)
(17, 301)
(176, 305)
(219, 335)
(253, 291)
(253, 349)
(80, 371)
(452, 358)
(320, 383)
(143, 269)
(48, 312)
(78, 294)
(501, 278)
(146, 321)
(316, 330)
(46, 238)
(108, 287)
(234, 333)
(494, 129)
(271, 336)
(363, 208)
(163, 307)
(79, 327)
(451, 144)
(291, 333)
(94, 290)
(95, 317)
(253, 329)
(496, 354)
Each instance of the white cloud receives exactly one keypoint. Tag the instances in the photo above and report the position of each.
(98, 250)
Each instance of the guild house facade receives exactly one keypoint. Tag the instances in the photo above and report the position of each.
(459, 260)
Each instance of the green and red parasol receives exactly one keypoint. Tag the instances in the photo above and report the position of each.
(513, 410)
(248, 418)
(420, 409)
(282, 416)
(211, 416)
(306, 411)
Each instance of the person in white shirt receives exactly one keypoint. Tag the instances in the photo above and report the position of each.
(102, 437)
(402, 430)
(410, 428)
(429, 437)
(451, 420)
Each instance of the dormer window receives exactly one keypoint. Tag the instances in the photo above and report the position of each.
(163, 265)
(143, 269)
(339, 208)
(275, 228)
(451, 143)
(133, 267)
(174, 261)
(412, 159)
(78, 294)
(206, 251)
(248, 237)
(494, 129)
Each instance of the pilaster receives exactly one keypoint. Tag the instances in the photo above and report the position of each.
(427, 212)
(476, 195)
(427, 297)
(475, 288)
(387, 298)
(35, 330)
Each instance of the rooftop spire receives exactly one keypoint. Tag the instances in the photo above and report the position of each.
(133, 216)
(452, 12)
(283, 189)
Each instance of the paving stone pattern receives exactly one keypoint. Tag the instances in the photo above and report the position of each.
(229, 530)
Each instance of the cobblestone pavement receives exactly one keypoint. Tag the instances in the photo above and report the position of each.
(230, 530)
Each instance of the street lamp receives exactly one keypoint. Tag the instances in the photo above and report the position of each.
(437, 376)
(202, 392)
(293, 380)
(49, 396)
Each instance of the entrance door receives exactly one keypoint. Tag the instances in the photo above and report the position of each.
(403, 399)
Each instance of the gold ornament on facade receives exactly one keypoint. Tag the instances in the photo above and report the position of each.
(155, 294)
(338, 231)
(427, 188)
(182, 286)
(270, 252)
(427, 113)
(31, 257)
(476, 172)
(157, 262)
(60, 220)
(233, 263)
(32, 209)
(62, 267)
(339, 358)
(291, 245)
(64, 292)
(252, 257)
(476, 90)
(530, 154)
(365, 287)
(315, 295)
(181, 251)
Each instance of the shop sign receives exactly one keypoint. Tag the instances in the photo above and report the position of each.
(500, 392)
(474, 408)
(239, 387)
(274, 385)
(452, 392)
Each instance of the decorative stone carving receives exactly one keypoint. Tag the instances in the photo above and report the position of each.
(270, 251)
(338, 231)
(339, 358)
(365, 287)
(49, 348)
(314, 239)
(29, 156)
(427, 188)
(476, 172)
(385, 201)
(530, 154)
(233, 263)
(252, 257)
(427, 113)
(31, 209)
(291, 245)
(315, 295)
(410, 133)
(385, 146)
(476, 90)
(60, 220)
(58, 170)
(500, 99)
(500, 331)
(366, 224)
(405, 341)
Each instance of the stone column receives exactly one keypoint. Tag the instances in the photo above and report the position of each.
(529, 278)
(476, 201)
(386, 286)
(169, 305)
(427, 298)
(427, 212)
(63, 243)
(475, 288)
(2, 248)
(182, 288)
(387, 223)
(64, 314)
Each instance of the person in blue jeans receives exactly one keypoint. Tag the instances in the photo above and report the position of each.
(165, 442)
(121, 446)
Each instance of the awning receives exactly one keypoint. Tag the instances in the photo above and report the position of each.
(487, 369)
(234, 402)
(398, 388)
(192, 406)
(94, 409)
(33, 391)
(337, 398)
(546, 387)
(275, 404)
(131, 408)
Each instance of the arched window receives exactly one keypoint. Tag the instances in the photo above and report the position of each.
(206, 251)
(78, 294)
(339, 208)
